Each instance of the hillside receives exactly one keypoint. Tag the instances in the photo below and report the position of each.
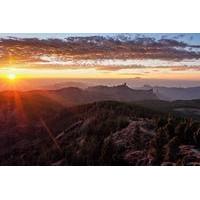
(76, 96)
(101, 133)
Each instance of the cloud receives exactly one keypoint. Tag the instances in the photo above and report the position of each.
(133, 74)
(185, 68)
(118, 64)
(98, 52)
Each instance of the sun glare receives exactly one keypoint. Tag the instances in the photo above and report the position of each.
(11, 76)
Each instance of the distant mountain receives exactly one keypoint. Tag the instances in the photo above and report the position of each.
(64, 84)
(45, 101)
(122, 93)
(174, 93)
(179, 93)
(75, 96)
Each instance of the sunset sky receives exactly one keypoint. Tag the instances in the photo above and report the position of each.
(150, 56)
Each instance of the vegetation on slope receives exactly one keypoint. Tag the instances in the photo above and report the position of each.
(102, 133)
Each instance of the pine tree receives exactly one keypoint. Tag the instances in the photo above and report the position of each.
(137, 140)
(180, 130)
(172, 149)
(157, 149)
(170, 127)
(196, 137)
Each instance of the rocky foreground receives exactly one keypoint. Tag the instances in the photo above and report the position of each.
(103, 133)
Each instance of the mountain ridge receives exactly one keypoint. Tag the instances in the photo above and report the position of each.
(75, 95)
(175, 93)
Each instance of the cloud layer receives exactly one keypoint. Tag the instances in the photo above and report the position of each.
(101, 53)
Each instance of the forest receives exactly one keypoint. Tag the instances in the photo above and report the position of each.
(100, 133)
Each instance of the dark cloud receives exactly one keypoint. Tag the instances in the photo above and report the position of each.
(30, 51)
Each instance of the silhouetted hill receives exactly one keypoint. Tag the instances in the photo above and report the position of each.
(65, 84)
(76, 96)
(122, 93)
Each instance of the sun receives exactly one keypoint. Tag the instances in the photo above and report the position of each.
(11, 76)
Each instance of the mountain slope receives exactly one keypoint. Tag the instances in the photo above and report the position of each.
(76, 96)
(123, 93)
(105, 133)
